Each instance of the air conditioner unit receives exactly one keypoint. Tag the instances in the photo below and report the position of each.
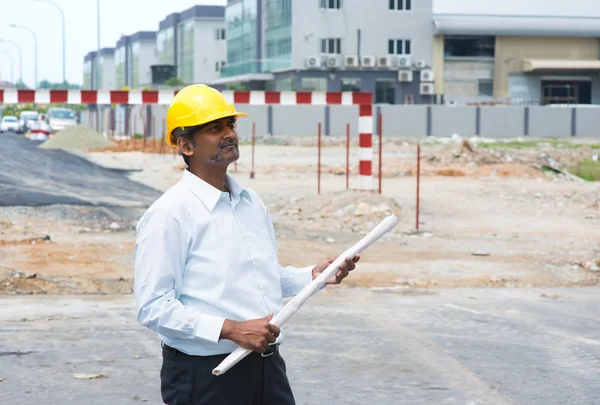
(367, 61)
(351, 61)
(420, 64)
(405, 76)
(333, 61)
(427, 75)
(384, 61)
(427, 89)
(313, 61)
(403, 61)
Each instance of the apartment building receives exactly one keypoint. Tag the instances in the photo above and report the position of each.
(384, 47)
(99, 70)
(89, 71)
(193, 43)
(134, 56)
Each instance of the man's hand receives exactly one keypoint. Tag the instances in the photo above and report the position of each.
(255, 334)
(345, 268)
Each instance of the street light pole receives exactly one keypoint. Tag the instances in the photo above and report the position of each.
(35, 46)
(12, 65)
(20, 56)
(64, 64)
(97, 58)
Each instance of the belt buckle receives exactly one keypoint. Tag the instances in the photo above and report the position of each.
(272, 352)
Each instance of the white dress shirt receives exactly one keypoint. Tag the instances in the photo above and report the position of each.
(201, 257)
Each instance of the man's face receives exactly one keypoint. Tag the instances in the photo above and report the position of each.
(216, 143)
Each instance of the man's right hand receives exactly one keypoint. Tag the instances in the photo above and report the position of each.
(255, 334)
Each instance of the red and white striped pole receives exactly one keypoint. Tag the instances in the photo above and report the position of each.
(365, 143)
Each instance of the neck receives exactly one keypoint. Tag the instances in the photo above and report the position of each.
(215, 176)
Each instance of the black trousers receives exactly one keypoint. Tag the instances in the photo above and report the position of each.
(255, 380)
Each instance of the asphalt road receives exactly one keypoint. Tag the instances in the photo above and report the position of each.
(344, 347)
(31, 176)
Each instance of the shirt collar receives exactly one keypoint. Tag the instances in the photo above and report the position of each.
(210, 195)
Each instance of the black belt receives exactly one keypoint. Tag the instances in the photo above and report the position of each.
(269, 352)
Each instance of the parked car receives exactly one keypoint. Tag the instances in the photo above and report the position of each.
(25, 120)
(9, 123)
(60, 118)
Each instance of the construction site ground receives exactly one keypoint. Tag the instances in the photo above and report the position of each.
(484, 222)
(493, 301)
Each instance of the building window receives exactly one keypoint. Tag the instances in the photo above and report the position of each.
(331, 45)
(401, 5)
(220, 34)
(469, 46)
(313, 84)
(385, 91)
(351, 85)
(331, 4)
(486, 87)
(219, 66)
(284, 84)
(399, 47)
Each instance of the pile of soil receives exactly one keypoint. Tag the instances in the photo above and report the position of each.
(77, 137)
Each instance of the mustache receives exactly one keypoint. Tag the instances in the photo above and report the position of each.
(231, 142)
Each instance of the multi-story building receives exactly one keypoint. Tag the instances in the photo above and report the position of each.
(193, 41)
(89, 71)
(527, 58)
(134, 56)
(106, 69)
(383, 47)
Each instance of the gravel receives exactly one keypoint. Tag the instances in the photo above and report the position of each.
(77, 137)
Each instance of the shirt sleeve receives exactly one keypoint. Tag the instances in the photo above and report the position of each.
(293, 279)
(160, 254)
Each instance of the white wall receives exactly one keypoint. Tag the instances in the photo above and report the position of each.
(588, 8)
(376, 21)
(108, 73)
(147, 58)
(207, 50)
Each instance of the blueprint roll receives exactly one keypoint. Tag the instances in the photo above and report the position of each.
(296, 303)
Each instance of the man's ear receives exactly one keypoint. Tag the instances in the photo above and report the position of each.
(185, 146)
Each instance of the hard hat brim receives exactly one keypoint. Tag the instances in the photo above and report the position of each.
(214, 117)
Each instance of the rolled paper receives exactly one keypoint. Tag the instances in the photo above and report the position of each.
(296, 303)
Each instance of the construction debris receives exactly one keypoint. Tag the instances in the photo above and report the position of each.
(347, 210)
(77, 137)
(89, 376)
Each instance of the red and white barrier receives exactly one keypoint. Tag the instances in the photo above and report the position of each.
(164, 97)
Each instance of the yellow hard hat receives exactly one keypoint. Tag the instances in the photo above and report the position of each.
(195, 105)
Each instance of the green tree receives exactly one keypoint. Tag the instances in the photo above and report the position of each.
(20, 84)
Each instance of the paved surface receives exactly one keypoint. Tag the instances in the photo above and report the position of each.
(31, 176)
(346, 346)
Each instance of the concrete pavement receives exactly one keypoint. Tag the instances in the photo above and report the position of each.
(346, 346)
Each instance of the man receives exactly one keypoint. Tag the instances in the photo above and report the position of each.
(207, 277)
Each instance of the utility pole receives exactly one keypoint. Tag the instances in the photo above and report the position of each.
(64, 63)
(35, 49)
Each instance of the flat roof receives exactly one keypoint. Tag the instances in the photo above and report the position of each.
(516, 25)
(215, 12)
(138, 36)
(107, 51)
(170, 21)
(89, 56)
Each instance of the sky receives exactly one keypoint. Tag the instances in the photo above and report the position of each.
(129, 16)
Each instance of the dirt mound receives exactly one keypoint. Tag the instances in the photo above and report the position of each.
(357, 211)
(77, 137)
